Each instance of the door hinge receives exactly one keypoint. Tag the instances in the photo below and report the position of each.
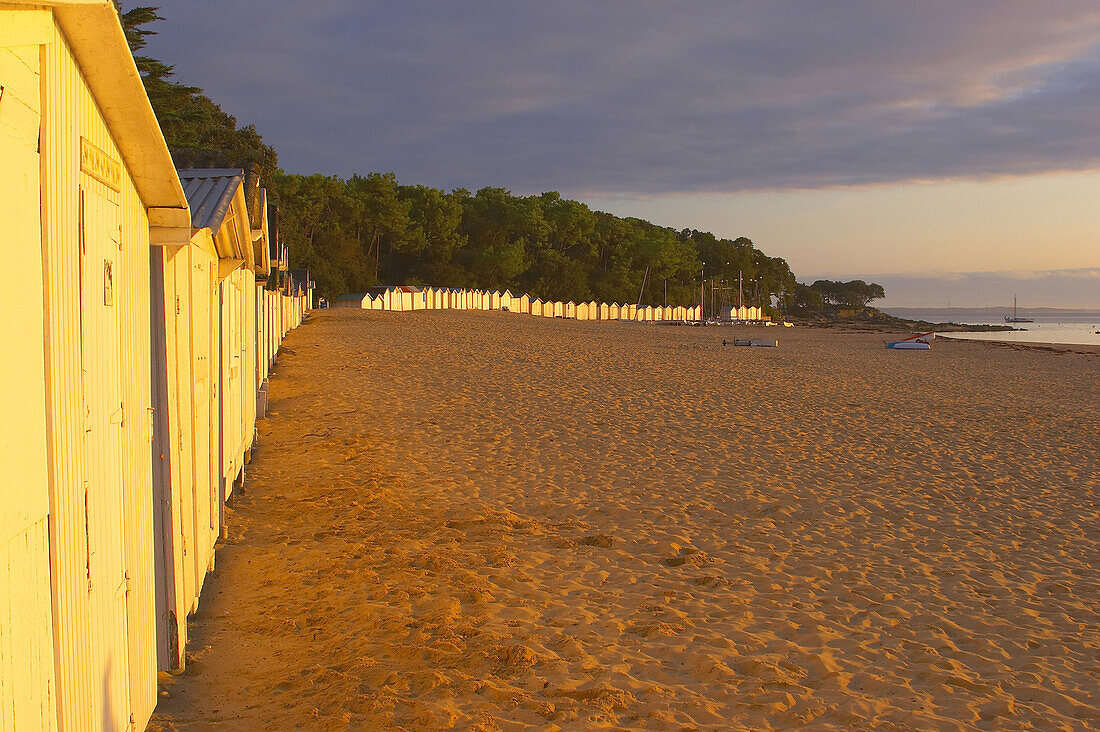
(126, 576)
(177, 304)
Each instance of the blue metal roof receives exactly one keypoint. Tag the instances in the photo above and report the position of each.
(209, 192)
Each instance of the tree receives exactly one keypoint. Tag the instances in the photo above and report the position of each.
(853, 295)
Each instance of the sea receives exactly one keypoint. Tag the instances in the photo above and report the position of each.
(1052, 325)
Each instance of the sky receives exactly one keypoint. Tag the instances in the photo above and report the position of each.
(929, 141)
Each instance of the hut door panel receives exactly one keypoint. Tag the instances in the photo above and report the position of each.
(184, 497)
(103, 418)
(206, 445)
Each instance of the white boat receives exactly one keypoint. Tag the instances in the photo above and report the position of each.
(1014, 318)
(910, 346)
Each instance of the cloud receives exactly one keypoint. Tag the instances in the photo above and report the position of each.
(648, 97)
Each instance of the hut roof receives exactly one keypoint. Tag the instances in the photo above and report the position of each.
(209, 193)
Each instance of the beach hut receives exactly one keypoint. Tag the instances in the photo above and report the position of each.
(418, 299)
(629, 312)
(522, 303)
(206, 395)
(303, 284)
(570, 310)
(604, 311)
(535, 307)
(86, 186)
(581, 311)
(406, 298)
(559, 309)
(218, 205)
(356, 300)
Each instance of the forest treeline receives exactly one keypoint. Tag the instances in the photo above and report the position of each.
(371, 229)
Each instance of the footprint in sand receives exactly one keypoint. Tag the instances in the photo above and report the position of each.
(686, 556)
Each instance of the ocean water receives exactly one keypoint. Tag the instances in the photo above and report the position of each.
(1077, 327)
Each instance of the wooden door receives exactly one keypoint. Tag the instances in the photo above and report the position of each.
(205, 449)
(103, 417)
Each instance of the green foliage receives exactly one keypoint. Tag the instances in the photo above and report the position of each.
(371, 230)
(829, 295)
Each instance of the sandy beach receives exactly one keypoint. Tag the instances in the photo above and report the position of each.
(494, 521)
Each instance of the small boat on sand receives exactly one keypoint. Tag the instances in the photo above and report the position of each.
(758, 342)
(910, 346)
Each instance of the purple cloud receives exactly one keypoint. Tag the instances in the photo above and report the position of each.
(647, 96)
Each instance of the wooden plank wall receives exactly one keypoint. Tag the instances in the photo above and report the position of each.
(27, 699)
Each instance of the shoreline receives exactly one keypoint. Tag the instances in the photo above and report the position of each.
(1081, 349)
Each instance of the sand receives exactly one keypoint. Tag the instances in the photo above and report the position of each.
(493, 521)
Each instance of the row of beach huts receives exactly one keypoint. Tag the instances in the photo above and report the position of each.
(408, 297)
(143, 311)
